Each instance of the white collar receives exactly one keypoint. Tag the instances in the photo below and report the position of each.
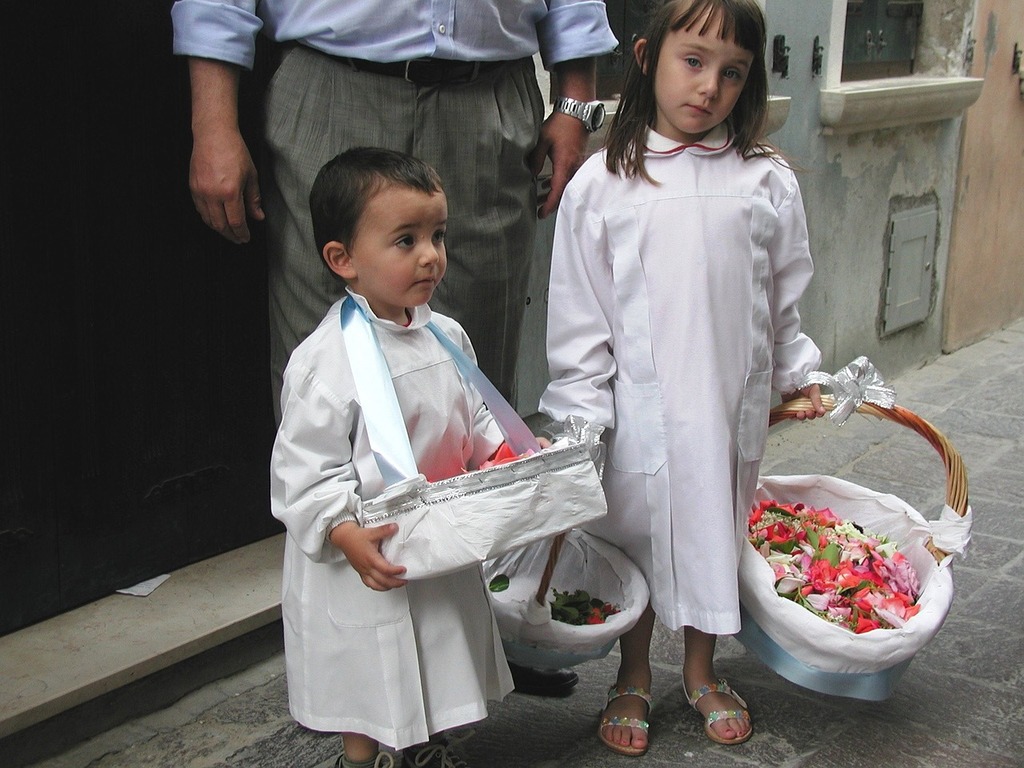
(715, 140)
(420, 315)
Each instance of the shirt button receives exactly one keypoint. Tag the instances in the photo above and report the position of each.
(442, 29)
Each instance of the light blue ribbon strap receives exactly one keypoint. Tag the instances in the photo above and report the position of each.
(852, 386)
(869, 686)
(385, 425)
(518, 436)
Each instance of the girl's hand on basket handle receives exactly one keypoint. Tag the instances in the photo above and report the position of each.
(812, 393)
(362, 549)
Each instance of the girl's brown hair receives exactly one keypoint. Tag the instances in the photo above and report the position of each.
(739, 20)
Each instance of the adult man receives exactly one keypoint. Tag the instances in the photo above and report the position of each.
(450, 82)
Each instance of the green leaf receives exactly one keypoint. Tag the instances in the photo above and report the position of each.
(812, 537)
(499, 583)
(786, 547)
(831, 553)
(566, 614)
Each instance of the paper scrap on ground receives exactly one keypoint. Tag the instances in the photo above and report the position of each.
(145, 588)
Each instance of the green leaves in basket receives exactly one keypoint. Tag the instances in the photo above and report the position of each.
(579, 608)
(499, 583)
(831, 553)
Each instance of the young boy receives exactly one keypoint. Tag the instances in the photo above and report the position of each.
(368, 654)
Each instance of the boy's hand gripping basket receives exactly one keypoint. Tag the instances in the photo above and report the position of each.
(805, 648)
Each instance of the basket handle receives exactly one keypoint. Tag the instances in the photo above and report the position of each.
(549, 569)
(956, 473)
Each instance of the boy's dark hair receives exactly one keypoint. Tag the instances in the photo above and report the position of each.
(345, 184)
(739, 20)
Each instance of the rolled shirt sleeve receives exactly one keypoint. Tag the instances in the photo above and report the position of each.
(574, 30)
(224, 30)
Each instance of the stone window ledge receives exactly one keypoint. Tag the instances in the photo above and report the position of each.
(778, 112)
(868, 105)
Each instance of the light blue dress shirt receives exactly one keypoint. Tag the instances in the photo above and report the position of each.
(464, 30)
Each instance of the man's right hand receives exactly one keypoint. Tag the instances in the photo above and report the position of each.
(222, 176)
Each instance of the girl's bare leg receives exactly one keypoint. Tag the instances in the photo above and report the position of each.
(635, 671)
(699, 670)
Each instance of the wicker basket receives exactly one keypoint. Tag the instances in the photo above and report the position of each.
(824, 657)
(956, 473)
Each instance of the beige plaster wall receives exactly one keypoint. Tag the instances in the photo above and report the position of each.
(985, 278)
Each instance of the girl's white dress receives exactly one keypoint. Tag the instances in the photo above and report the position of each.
(672, 315)
(399, 665)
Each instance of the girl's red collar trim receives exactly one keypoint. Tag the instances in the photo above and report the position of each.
(716, 140)
(683, 148)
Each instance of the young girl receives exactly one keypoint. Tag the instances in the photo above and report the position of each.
(680, 253)
(368, 653)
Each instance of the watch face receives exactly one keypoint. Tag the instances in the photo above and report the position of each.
(592, 113)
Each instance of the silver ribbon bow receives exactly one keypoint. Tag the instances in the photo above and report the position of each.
(852, 386)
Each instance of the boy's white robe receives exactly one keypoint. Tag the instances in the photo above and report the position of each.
(399, 665)
(672, 314)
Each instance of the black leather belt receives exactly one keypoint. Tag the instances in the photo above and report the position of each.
(427, 71)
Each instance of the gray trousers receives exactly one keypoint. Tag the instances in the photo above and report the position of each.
(477, 135)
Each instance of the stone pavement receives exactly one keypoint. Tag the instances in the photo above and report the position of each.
(960, 702)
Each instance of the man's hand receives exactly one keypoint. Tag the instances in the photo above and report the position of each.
(222, 175)
(564, 140)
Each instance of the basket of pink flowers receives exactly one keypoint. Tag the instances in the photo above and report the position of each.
(840, 586)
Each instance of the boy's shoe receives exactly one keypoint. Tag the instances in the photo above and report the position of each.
(543, 682)
(436, 754)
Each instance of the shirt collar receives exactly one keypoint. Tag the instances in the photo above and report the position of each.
(716, 140)
(420, 315)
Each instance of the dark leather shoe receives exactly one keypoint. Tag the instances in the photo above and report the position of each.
(543, 682)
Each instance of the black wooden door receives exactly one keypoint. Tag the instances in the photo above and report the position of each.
(134, 392)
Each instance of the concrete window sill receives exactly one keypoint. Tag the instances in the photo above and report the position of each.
(869, 105)
(778, 112)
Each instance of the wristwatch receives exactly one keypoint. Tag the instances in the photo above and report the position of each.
(590, 112)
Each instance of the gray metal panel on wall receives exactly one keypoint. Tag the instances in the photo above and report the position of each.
(909, 271)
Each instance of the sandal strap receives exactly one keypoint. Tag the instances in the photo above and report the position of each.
(720, 687)
(631, 690)
(728, 714)
(628, 722)
(616, 692)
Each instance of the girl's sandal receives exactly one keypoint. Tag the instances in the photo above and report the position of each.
(626, 722)
(721, 714)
